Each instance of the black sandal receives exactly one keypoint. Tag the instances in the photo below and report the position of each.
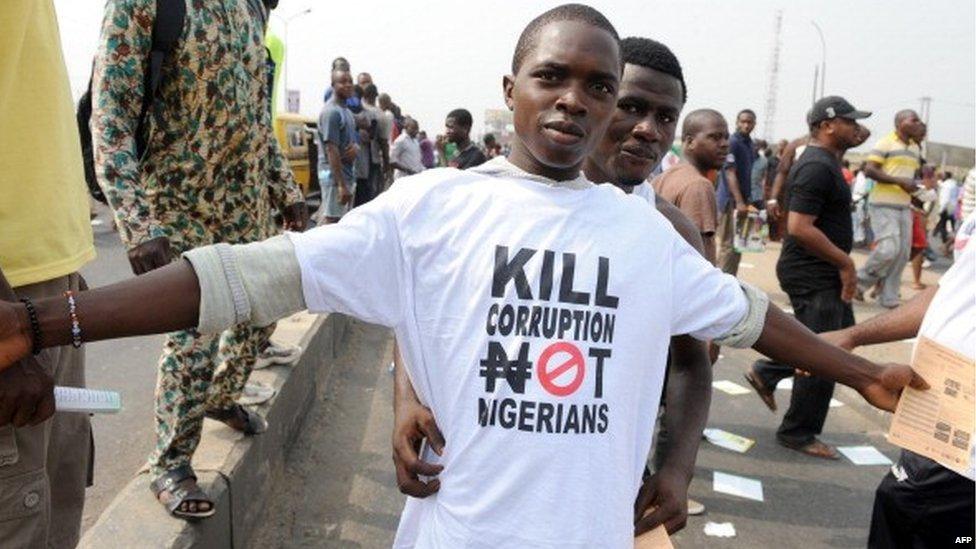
(169, 482)
(254, 424)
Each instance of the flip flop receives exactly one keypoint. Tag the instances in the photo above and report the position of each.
(764, 393)
(170, 482)
(254, 424)
(815, 449)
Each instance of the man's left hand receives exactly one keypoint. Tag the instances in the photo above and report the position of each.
(26, 394)
(666, 493)
(295, 217)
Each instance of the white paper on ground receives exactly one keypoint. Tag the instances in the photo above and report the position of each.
(785, 384)
(75, 399)
(737, 486)
(834, 403)
(745, 265)
(720, 529)
(730, 387)
(864, 455)
(730, 441)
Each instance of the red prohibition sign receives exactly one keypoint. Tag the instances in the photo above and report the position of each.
(548, 376)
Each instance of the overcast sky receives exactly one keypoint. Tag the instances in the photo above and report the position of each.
(436, 55)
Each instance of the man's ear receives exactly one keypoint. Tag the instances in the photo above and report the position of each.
(508, 84)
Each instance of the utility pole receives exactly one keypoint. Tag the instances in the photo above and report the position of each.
(816, 73)
(773, 83)
(823, 57)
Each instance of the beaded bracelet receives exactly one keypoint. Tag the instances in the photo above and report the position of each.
(75, 325)
(35, 325)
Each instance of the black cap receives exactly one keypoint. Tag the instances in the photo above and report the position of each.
(834, 106)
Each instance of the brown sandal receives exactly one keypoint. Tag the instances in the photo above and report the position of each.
(764, 393)
(815, 449)
(180, 494)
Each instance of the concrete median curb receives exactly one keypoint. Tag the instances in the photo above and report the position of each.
(236, 471)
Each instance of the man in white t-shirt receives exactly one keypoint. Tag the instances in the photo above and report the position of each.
(533, 309)
(405, 155)
(651, 96)
(921, 503)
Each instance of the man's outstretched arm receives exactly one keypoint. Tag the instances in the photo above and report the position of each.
(894, 325)
(785, 340)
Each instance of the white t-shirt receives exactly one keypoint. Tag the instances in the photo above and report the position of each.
(645, 191)
(951, 317)
(406, 152)
(534, 321)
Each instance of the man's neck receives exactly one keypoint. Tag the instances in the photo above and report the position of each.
(463, 144)
(904, 138)
(701, 167)
(523, 159)
(836, 152)
(595, 173)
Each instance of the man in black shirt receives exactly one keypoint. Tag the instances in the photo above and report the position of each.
(457, 128)
(814, 268)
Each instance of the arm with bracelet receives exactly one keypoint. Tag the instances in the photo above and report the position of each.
(215, 287)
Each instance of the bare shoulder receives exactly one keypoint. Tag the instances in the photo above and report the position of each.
(681, 223)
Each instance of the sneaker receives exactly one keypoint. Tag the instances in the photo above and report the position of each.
(695, 508)
(276, 353)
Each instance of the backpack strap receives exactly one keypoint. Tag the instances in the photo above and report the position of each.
(167, 29)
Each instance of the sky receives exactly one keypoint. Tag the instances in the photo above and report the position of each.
(433, 56)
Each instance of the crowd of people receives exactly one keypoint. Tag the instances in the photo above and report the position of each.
(626, 268)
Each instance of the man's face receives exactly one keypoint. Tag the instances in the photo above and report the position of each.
(411, 127)
(342, 86)
(710, 146)
(563, 95)
(913, 127)
(454, 132)
(642, 127)
(745, 123)
(843, 132)
(364, 79)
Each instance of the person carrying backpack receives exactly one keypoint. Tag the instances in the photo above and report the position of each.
(185, 154)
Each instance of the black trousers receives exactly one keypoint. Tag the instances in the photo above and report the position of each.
(932, 507)
(821, 311)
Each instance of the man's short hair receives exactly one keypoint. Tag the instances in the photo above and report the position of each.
(339, 61)
(746, 111)
(566, 12)
(654, 55)
(462, 117)
(370, 91)
(695, 121)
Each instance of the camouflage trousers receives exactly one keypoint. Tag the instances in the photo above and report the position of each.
(199, 373)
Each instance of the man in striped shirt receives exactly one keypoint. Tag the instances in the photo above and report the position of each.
(893, 164)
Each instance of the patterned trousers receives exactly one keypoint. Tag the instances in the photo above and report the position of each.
(199, 373)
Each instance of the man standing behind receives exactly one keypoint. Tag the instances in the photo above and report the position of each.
(892, 164)
(44, 239)
(734, 190)
(337, 150)
(457, 128)
(211, 171)
(380, 143)
(814, 268)
(405, 156)
(705, 142)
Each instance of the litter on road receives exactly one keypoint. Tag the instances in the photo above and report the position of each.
(735, 485)
(720, 529)
(730, 387)
(864, 455)
(729, 441)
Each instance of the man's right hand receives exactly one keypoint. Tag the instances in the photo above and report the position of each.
(885, 391)
(26, 394)
(350, 152)
(741, 209)
(344, 195)
(848, 281)
(15, 339)
(773, 209)
(151, 254)
(412, 423)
